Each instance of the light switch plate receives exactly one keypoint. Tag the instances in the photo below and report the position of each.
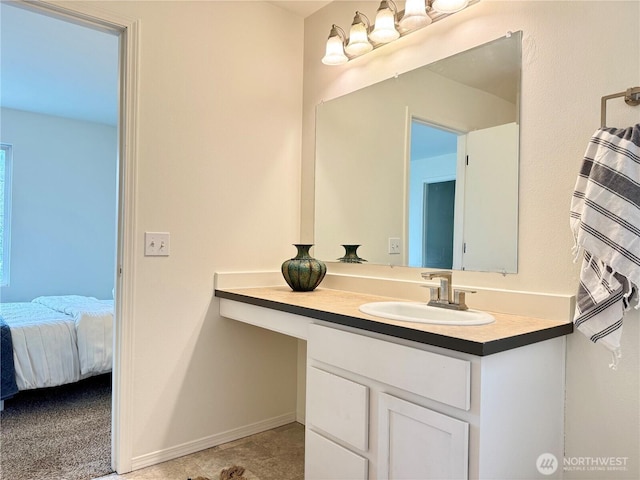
(156, 244)
(394, 246)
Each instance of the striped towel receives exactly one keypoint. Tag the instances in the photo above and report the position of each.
(605, 220)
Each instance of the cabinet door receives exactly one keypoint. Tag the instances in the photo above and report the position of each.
(324, 459)
(416, 442)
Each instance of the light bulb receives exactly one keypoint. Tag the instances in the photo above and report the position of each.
(384, 30)
(449, 6)
(334, 52)
(358, 37)
(415, 16)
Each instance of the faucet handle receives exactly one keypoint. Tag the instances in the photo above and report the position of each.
(459, 297)
(434, 292)
(440, 274)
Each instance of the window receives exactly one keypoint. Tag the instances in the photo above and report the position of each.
(5, 211)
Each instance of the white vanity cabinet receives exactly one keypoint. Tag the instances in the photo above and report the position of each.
(381, 408)
(385, 400)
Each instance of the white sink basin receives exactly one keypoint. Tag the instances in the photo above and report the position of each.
(423, 313)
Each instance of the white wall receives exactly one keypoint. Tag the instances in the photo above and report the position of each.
(218, 166)
(63, 215)
(573, 54)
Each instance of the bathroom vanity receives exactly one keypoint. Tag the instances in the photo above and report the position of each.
(387, 399)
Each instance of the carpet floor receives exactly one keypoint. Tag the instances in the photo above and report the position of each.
(59, 433)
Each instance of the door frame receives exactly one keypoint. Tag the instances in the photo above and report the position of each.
(410, 117)
(128, 32)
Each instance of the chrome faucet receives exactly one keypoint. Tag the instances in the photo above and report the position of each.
(445, 296)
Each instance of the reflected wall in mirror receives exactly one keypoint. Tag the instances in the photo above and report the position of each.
(427, 159)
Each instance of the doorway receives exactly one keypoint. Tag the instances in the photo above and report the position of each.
(60, 112)
(432, 195)
(126, 34)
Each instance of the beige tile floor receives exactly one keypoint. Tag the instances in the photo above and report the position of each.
(276, 454)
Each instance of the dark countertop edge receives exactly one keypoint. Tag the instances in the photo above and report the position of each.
(420, 336)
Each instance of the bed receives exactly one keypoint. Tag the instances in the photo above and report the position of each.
(55, 340)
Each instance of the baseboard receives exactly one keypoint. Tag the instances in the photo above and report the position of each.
(160, 456)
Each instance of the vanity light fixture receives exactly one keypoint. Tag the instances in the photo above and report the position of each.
(389, 25)
(334, 53)
(384, 30)
(359, 36)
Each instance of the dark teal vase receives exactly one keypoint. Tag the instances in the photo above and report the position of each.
(351, 255)
(303, 273)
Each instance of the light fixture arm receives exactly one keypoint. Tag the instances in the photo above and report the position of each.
(336, 30)
(359, 16)
(394, 9)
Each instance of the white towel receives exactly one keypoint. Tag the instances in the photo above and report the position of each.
(605, 220)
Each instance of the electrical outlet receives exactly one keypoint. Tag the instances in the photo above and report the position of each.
(394, 246)
(156, 244)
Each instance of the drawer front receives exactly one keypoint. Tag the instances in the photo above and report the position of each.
(324, 459)
(339, 407)
(438, 377)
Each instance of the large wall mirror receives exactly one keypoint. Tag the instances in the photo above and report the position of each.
(421, 170)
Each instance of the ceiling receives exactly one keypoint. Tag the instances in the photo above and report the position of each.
(75, 76)
(304, 8)
(495, 70)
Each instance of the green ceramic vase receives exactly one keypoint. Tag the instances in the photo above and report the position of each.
(303, 273)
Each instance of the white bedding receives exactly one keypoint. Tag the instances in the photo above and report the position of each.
(59, 339)
(94, 327)
(44, 345)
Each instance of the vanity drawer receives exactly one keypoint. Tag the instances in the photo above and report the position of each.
(339, 407)
(431, 375)
(324, 459)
